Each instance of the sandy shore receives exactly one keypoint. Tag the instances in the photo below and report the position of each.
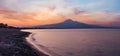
(12, 43)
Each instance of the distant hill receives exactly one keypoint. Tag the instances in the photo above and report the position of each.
(69, 24)
(2, 25)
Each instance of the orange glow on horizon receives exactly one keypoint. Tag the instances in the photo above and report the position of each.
(48, 16)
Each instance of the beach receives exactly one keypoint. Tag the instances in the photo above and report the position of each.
(13, 43)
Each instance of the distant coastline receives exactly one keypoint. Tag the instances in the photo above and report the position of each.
(69, 28)
(70, 24)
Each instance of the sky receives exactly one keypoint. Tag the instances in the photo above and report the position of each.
(41, 12)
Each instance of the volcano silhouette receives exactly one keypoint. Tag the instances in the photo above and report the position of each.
(70, 24)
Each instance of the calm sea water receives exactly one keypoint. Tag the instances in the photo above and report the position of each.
(78, 42)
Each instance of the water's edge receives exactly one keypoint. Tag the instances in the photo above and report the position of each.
(40, 48)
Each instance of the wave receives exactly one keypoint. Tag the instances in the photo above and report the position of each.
(31, 39)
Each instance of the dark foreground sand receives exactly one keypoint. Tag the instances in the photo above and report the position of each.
(12, 43)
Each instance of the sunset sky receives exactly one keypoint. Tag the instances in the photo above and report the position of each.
(41, 12)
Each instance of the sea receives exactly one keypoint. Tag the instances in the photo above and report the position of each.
(76, 42)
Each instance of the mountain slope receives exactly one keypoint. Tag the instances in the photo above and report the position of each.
(69, 24)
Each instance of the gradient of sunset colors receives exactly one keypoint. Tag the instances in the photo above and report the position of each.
(41, 12)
